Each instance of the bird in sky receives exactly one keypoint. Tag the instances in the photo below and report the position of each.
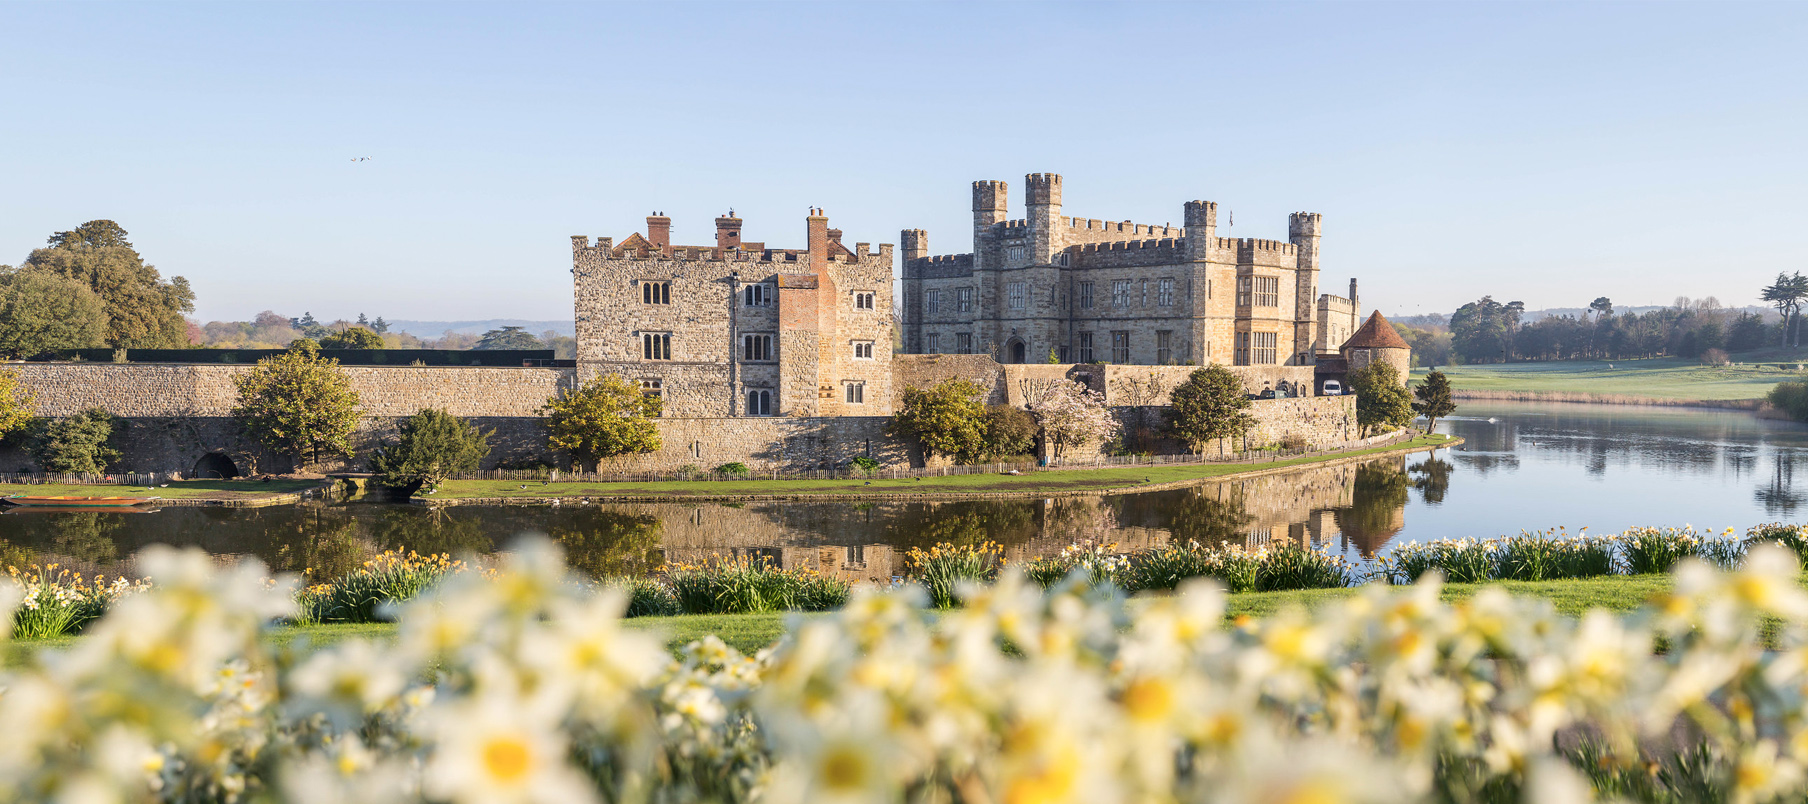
(361, 159)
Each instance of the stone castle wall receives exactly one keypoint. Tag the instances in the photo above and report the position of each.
(764, 443)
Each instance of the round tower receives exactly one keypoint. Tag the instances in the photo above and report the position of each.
(1376, 341)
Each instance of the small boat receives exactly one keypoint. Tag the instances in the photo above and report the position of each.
(80, 502)
(22, 510)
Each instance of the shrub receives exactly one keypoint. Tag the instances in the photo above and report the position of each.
(78, 444)
(865, 465)
(647, 597)
(1293, 567)
(1461, 561)
(733, 469)
(299, 404)
(1715, 357)
(1794, 537)
(1009, 430)
(366, 594)
(1545, 558)
(1791, 398)
(943, 568)
(1167, 567)
(57, 602)
(1096, 562)
(946, 419)
(433, 445)
(1210, 406)
(745, 585)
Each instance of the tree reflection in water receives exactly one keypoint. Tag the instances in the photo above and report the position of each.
(605, 544)
(1779, 496)
(1378, 506)
(1432, 479)
(1200, 516)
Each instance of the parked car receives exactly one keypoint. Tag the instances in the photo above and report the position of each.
(1333, 388)
(1267, 393)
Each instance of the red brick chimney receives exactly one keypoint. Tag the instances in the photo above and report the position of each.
(728, 231)
(818, 226)
(659, 232)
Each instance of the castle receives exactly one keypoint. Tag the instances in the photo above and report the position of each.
(1085, 290)
(736, 328)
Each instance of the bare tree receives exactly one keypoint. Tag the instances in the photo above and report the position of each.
(1142, 395)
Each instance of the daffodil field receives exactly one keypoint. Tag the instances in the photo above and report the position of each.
(519, 684)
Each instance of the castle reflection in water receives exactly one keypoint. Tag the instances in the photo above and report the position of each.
(1351, 509)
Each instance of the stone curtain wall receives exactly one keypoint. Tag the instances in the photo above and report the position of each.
(135, 390)
(764, 443)
(175, 414)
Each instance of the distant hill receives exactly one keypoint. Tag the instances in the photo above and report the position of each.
(434, 329)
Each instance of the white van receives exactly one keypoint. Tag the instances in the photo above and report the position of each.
(1333, 388)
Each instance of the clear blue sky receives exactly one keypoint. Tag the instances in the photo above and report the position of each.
(1538, 151)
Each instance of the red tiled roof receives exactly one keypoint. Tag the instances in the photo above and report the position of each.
(1375, 333)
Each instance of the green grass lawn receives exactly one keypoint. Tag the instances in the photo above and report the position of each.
(750, 632)
(1659, 378)
(177, 489)
(1034, 482)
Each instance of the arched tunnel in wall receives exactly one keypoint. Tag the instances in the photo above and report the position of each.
(214, 466)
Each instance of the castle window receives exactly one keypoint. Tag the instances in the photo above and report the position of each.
(656, 292)
(756, 296)
(1085, 347)
(1015, 252)
(1064, 259)
(1243, 291)
(1014, 295)
(759, 403)
(963, 343)
(1164, 346)
(1164, 293)
(1120, 346)
(1120, 293)
(1145, 289)
(1268, 291)
(1086, 297)
(932, 301)
(963, 300)
(934, 346)
(652, 386)
(656, 345)
(863, 350)
(863, 301)
(756, 347)
(856, 392)
(1256, 348)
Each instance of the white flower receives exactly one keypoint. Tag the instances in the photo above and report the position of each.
(497, 749)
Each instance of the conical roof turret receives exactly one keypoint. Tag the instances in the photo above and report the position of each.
(1375, 333)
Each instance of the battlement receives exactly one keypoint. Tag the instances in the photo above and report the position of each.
(1254, 244)
(1201, 214)
(939, 267)
(1305, 224)
(1333, 300)
(1124, 253)
(1042, 189)
(1125, 228)
(1016, 224)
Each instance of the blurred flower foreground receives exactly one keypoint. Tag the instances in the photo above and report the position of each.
(521, 686)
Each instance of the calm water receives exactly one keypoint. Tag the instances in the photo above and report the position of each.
(1524, 466)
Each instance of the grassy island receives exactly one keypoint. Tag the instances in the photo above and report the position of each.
(179, 492)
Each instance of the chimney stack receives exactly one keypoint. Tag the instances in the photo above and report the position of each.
(659, 232)
(728, 231)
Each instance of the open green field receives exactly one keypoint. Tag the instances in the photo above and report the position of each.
(1667, 378)
(1130, 477)
(750, 632)
(176, 490)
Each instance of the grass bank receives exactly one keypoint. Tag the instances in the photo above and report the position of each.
(178, 492)
(1665, 380)
(750, 632)
(1034, 484)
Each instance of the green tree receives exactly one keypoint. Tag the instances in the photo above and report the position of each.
(42, 312)
(143, 311)
(1482, 331)
(308, 344)
(603, 418)
(1010, 431)
(1787, 294)
(1381, 401)
(1210, 406)
(17, 403)
(945, 419)
(508, 338)
(431, 445)
(1432, 399)
(352, 338)
(299, 404)
(76, 444)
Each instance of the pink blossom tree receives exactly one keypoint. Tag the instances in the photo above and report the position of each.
(1071, 417)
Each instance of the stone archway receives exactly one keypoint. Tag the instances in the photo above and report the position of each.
(1018, 351)
(214, 466)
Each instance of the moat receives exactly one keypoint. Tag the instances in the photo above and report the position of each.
(1523, 466)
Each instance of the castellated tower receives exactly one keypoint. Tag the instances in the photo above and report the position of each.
(1042, 201)
(1304, 230)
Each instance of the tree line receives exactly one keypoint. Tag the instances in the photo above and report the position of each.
(1490, 331)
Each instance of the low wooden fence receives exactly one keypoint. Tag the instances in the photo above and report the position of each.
(149, 479)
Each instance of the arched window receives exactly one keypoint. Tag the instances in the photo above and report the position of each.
(759, 403)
